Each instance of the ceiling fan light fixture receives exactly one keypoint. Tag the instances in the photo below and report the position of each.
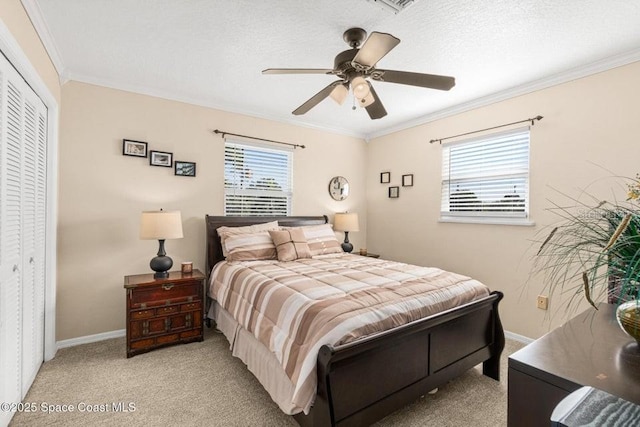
(360, 87)
(339, 94)
(367, 100)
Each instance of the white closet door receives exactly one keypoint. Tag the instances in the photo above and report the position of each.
(32, 290)
(23, 131)
(10, 237)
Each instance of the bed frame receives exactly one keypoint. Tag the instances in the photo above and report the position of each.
(362, 382)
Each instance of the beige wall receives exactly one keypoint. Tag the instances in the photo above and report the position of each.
(103, 192)
(590, 132)
(17, 21)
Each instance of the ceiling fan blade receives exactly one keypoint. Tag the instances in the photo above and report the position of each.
(376, 110)
(316, 99)
(375, 48)
(297, 71)
(431, 81)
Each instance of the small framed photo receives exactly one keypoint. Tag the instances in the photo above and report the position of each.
(385, 177)
(160, 158)
(185, 168)
(407, 180)
(394, 192)
(134, 148)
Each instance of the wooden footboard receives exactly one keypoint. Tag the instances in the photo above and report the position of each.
(362, 382)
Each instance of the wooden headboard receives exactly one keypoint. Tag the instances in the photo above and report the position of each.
(214, 249)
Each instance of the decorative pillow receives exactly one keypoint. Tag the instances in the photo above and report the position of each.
(250, 246)
(321, 239)
(290, 244)
(225, 232)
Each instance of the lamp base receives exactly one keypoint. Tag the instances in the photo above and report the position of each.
(161, 264)
(161, 275)
(346, 246)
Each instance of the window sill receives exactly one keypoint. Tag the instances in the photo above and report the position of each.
(522, 222)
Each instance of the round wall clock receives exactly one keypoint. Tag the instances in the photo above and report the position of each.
(339, 188)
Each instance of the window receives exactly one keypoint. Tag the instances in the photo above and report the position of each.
(486, 179)
(257, 180)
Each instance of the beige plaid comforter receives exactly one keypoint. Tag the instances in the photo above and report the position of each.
(294, 308)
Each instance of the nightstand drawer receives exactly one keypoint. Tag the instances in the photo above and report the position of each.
(145, 328)
(142, 314)
(167, 310)
(191, 306)
(166, 294)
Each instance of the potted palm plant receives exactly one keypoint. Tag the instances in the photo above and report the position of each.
(594, 253)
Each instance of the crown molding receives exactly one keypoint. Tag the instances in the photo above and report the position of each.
(546, 82)
(169, 95)
(32, 8)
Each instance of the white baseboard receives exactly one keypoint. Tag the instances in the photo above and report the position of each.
(91, 338)
(518, 337)
(122, 332)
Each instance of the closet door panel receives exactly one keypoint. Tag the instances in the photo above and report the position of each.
(31, 360)
(10, 241)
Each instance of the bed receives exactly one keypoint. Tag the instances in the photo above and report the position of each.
(360, 381)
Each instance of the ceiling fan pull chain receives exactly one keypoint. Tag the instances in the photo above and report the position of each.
(353, 98)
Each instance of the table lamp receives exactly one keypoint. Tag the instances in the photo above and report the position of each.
(161, 225)
(346, 222)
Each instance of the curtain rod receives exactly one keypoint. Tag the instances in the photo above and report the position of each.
(259, 139)
(532, 120)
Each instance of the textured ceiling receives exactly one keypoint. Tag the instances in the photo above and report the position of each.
(211, 52)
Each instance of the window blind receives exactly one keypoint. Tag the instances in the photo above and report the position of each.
(487, 176)
(257, 180)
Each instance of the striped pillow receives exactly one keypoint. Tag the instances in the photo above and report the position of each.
(290, 244)
(321, 239)
(225, 232)
(250, 246)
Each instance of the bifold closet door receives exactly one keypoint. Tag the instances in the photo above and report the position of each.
(22, 234)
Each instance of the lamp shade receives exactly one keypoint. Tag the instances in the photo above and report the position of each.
(161, 225)
(360, 87)
(346, 222)
(339, 93)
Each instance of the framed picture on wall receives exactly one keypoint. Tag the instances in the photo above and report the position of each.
(134, 148)
(385, 177)
(394, 192)
(407, 180)
(161, 158)
(185, 168)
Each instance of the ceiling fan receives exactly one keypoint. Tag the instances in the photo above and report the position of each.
(355, 65)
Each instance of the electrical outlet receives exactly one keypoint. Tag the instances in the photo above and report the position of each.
(542, 302)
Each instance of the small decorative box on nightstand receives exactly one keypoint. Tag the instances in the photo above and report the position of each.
(163, 312)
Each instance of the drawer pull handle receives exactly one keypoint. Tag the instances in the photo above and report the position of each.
(145, 328)
(167, 324)
(167, 286)
(188, 320)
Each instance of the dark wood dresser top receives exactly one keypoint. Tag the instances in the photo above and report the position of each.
(589, 350)
(148, 279)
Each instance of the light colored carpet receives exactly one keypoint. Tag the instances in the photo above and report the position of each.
(202, 384)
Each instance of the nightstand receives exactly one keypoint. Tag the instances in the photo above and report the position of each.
(163, 312)
(369, 254)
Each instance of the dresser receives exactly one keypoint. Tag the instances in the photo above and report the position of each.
(589, 350)
(163, 312)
